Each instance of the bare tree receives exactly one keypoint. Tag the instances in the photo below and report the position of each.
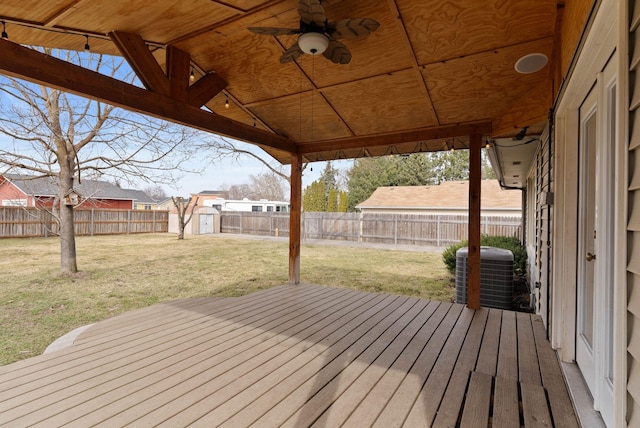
(68, 138)
(182, 206)
(155, 192)
(269, 185)
(238, 191)
(219, 148)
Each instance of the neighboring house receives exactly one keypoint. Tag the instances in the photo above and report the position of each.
(581, 184)
(22, 190)
(142, 201)
(209, 195)
(246, 205)
(447, 198)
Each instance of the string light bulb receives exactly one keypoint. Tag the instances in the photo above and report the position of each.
(4, 31)
(226, 103)
(192, 75)
(487, 146)
(87, 48)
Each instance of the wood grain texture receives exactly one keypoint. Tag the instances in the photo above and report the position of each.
(295, 219)
(430, 62)
(442, 30)
(477, 405)
(475, 178)
(292, 355)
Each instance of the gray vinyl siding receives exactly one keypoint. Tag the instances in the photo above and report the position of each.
(543, 165)
(633, 225)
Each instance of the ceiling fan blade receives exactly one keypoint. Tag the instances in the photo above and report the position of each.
(352, 28)
(312, 12)
(337, 52)
(291, 54)
(273, 31)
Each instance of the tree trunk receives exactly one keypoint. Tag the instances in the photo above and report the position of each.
(68, 263)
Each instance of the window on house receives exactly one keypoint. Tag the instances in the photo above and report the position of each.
(269, 209)
(256, 208)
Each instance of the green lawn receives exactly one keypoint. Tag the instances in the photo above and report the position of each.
(121, 273)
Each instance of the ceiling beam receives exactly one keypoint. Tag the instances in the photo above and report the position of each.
(34, 66)
(135, 51)
(389, 139)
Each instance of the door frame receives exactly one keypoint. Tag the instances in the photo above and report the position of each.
(605, 37)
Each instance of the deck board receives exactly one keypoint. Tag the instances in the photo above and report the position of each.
(294, 356)
(478, 404)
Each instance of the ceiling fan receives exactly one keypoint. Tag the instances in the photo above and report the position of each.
(318, 35)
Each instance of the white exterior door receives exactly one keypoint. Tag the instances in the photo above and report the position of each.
(594, 323)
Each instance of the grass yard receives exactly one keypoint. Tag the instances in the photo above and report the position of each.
(125, 272)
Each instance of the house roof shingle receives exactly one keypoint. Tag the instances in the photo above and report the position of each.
(46, 187)
(447, 195)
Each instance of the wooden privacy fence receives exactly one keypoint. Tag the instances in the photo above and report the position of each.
(407, 229)
(23, 222)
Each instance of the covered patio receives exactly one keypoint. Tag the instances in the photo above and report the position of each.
(296, 355)
(435, 76)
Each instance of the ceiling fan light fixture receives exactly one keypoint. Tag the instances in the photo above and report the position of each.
(313, 43)
(531, 63)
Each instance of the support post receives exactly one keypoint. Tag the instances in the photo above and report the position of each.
(475, 181)
(294, 219)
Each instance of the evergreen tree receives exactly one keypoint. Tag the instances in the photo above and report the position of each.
(328, 177)
(332, 201)
(343, 201)
(314, 199)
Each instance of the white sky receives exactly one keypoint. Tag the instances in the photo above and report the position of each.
(229, 172)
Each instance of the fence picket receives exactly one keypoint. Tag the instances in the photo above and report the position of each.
(29, 222)
(408, 229)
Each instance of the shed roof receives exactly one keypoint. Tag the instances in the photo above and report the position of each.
(447, 195)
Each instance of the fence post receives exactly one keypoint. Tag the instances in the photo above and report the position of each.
(321, 225)
(128, 222)
(395, 229)
(438, 231)
(153, 222)
(360, 226)
(91, 223)
(240, 222)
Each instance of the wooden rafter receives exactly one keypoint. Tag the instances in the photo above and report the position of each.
(29, 64)
(205, 88)
(135, 51)
(389, 139)
(176, 81)
(178, 62)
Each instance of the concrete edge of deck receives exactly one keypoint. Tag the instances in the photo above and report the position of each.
(66, 341)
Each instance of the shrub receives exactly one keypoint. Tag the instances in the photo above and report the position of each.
(506, 242)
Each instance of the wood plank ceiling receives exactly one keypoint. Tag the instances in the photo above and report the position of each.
(434, 73)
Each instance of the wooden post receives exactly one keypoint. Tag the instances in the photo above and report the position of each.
(475, 181)
(294, 219)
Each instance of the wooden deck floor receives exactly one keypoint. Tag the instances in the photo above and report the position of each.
(296, 356)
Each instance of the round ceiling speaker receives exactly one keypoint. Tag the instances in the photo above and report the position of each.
(531, 63)
(313, 43)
